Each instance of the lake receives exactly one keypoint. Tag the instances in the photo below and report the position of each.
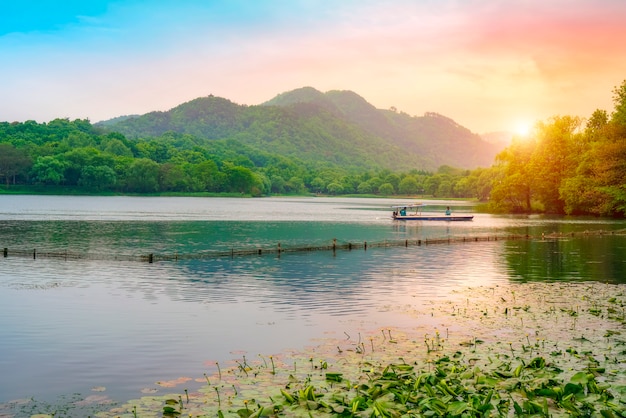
(100, 321)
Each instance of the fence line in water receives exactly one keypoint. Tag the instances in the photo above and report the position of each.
(278, 249)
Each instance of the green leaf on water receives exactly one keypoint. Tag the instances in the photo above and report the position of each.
(334, 377)
(572, 388)
(457, 408)
(580, 377)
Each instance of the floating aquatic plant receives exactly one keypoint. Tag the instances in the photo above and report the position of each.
(531, 361)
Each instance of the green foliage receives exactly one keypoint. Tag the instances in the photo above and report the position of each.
(143, 176)
(554, 373)
(98, 178)
(13, 162)
(338, 127)
(386, 189)
(408, 185)
(619, 99)
(564, 169)
(48, 170)
(75, 155)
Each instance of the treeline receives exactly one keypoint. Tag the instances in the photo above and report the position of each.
(78, 156)
(567, 166)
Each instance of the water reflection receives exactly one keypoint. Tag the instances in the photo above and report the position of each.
(598, 258)
(67, 326)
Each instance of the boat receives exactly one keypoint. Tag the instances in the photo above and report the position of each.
(413, 212)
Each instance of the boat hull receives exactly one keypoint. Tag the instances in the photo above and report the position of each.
(448, 218)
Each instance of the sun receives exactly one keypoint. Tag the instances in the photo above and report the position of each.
(522, 129)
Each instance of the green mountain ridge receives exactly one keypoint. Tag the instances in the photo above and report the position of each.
(337, 127)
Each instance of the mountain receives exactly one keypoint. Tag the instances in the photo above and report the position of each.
(337, 127)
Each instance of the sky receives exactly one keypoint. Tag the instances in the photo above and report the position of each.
(490, 65)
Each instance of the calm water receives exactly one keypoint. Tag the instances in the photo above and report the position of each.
(71, 326)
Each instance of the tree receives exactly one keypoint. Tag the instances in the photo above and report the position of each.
(334, 188)
(77, 159)
(262, 185)
(394, 180)
(619, 98)
(206, 176)
(278, 184)
(48, 170)
(13, 162)
(79, 140)
(483, 183)
(596, 123)
(511, 190)
(463, 187)
(240, 179)
(317, 184)
(365, 188)
(116, 147)
(172, 178)
(554, 159)
(610, 177)
(408, 185)
(431, 185)
(143, 176)
(386, 189)
(98, 178)
(295, 185)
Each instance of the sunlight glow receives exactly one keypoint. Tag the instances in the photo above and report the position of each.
(522, 128)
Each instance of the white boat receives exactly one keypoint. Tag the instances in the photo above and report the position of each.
(413, 212)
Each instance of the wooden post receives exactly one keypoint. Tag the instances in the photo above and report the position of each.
(419, 242)
(350, 246)
(334, 244)
(150, 258)
(6, 252)
(34, 254)
(365, 246)
(406, 242)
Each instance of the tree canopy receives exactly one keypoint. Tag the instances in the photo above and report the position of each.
(567, 166)
(77, 156)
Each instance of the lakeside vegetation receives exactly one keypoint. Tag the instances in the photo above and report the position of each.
(545, 350)
(65, 156)
(565, 166)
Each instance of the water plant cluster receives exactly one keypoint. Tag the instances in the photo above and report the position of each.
(541, 349)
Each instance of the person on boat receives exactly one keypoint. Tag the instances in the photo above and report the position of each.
(448, 212)
(403, 212)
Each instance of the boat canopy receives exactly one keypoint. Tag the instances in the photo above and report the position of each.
(413, 205)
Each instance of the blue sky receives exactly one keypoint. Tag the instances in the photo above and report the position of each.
(43, 16)
(488, 64)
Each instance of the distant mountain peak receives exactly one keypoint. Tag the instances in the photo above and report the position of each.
(300, 95)
(338, 126)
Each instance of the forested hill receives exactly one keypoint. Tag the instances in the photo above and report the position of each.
(337, 127)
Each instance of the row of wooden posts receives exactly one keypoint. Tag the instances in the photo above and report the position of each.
(278, 249)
